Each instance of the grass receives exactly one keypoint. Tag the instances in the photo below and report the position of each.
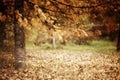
(100, 46)
(103, 46)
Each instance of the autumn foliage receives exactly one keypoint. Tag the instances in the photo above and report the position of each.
(60, 23)
(68, 20)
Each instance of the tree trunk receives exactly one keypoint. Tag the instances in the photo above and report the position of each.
(54, 41)
(19, 52)
(118, 42)
(2, 25)
(2, 35)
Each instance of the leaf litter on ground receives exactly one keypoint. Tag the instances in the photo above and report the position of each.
(62, 65)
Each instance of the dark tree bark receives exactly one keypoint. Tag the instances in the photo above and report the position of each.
(2, 25)
(19, 53)
(118, 21)
(118, 42)
(2, 35)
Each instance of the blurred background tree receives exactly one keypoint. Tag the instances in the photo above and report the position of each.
(71, 21)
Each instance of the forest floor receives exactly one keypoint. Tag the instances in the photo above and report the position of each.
(62, 65)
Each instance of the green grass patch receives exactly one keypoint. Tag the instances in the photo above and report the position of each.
(103, 46)
(99, 46)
